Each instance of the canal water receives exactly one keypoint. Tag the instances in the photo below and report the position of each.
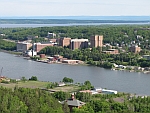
(122, 81)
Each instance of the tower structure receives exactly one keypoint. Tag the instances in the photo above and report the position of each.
(96, 41)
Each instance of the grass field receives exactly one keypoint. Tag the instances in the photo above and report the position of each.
(69, 89)
(41, 85)
(27, 84)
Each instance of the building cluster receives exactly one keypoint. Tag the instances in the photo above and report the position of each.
(95, 41)
(58, 59)
(133, 68)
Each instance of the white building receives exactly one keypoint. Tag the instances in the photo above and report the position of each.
(30, 52)
(109, 91)
(51, 35)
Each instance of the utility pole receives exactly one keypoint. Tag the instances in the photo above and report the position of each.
(1, 72)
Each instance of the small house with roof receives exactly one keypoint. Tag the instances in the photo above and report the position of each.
(72, 102)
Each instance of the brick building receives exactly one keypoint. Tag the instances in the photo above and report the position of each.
(23, 46)
(78, 43)
(64, 41)
(135, 49)
(39, 46)
(96, 41)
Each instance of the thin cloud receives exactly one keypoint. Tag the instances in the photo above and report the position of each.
(74, 7)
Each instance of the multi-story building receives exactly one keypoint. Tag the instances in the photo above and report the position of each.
(135, 49)
(23, 46)
(64, 41)
(78, 43)
(96, 41)
(39, 46)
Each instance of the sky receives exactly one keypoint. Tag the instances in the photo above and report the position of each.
(74, 8)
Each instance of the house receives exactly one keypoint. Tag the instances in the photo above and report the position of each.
(61, 84)
(72, 102)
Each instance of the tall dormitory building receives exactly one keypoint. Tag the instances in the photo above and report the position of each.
(96, 41)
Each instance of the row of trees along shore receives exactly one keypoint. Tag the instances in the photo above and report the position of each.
(96, 57)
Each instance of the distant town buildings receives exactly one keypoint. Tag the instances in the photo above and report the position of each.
(96, 41)
(78, 43)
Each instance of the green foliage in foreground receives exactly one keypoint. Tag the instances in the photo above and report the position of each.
(25, 100)
(105, 104)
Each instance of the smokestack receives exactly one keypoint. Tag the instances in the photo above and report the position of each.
(32, 49)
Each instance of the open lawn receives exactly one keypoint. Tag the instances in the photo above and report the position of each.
(69, 89)
(41, 85)
(27, 84)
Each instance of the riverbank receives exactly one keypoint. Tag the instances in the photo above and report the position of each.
(11, 52)
(145, 70)
(119, 68)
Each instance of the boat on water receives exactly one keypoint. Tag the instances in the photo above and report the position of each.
(17, 55)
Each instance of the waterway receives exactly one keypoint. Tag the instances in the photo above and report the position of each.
(122, 81)
(73, 24)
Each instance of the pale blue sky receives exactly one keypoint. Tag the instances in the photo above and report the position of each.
(74, 7)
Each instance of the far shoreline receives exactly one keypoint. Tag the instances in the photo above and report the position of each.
(85, 64)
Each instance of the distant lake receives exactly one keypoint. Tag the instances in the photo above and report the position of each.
(72, 24)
